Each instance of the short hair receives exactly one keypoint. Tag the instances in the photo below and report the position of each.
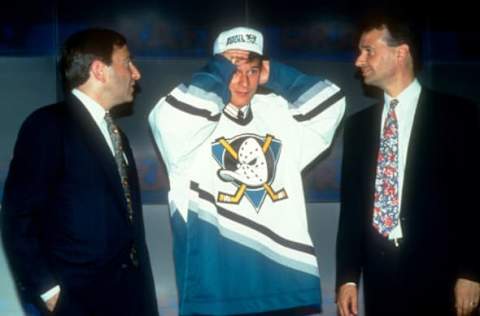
(82, 48)
(252, 56)
(400, 31)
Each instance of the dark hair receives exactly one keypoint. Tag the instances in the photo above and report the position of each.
(400, 31)
(82, 48)
(252, 56)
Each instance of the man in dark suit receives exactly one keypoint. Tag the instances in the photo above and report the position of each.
(71, 215)
(408, 210)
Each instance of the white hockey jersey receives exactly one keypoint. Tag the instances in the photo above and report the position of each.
(237, 204)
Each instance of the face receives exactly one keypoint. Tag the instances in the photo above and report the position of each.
(376, 60)
(244, 82)
(121, 77)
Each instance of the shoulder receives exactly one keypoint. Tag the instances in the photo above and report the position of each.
(268, 97)
(444, 99)
(48, 112)
(46, 118)
(268, 102)
(364, 115)
(451, 106)
(360, 125)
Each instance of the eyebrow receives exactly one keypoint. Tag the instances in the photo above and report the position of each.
(255, 67)
(365, 46)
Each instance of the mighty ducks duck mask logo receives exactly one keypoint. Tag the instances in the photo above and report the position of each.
(248, 161)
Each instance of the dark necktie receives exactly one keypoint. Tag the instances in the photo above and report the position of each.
(122, 170)
(119, 159)
(386, 201)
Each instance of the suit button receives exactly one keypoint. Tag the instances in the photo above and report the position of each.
(133, 256)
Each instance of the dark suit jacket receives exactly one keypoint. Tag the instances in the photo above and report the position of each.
(64, 214)
(438, 216)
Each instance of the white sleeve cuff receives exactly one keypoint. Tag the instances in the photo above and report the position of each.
(50, 293)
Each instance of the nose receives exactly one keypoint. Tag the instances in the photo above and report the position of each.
(243, 80)
(135, 72)
(360, 61)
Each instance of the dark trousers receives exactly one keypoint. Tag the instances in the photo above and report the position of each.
(118, 292)
(388, 291)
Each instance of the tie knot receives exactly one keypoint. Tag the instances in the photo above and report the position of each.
(111, 127)
(393, 104)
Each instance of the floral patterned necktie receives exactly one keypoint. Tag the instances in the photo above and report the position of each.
(386, 200)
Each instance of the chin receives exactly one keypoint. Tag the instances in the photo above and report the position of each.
(239, 102)
(238, 105)
(128, 99)
(368, 80)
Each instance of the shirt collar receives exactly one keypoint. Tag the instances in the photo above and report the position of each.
(233, 111)
(95, 109)
(408, 96)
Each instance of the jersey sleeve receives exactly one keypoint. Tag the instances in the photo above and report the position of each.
(316, 105)
(183, 120)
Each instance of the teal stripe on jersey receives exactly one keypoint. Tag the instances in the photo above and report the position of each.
(224, 277)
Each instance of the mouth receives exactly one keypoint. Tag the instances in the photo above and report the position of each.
(365, 72)
(241, 94)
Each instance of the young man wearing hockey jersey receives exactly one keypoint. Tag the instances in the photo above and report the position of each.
(234, 160)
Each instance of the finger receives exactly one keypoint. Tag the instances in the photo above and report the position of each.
(459, 311)
(239, 53)
(236, 55)
(354, 306)
(346, 307)
(340, 305)
(240, 61)
(468, 308)
(343, 309)
(461, 308)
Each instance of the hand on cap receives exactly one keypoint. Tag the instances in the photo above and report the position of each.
(236, 56)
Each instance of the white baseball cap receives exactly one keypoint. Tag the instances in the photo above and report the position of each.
(239, 38)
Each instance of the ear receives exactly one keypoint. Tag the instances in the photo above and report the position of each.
(265, 73)
(403, 52)
(98, 70)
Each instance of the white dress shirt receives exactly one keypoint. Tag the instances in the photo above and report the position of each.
(405, 110)
(98, 114)
(234, 111)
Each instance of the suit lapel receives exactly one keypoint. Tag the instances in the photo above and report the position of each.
(132, 175)
(376, 131)
(417, 151)
(373, 125)
(98, 145)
